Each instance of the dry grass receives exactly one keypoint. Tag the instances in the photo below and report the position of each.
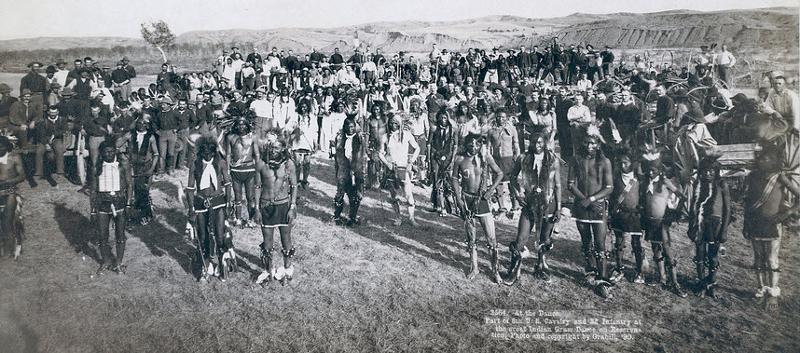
(375, 288)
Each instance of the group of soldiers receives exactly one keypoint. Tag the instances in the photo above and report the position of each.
(637, 145)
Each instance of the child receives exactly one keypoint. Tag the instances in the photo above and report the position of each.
(658, 197)
(625, 219)
(709, 216)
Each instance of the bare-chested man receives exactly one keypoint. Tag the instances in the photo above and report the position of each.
(659, 199)
(11, 174)
(111, 197)
(394, 154)
(771, 203)
(591, 182)
(624, 217)
(376, 129)
(242, 152)
(536, 177)
(277, 202)
(475, 178)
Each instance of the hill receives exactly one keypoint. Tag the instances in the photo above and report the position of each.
(752, 28)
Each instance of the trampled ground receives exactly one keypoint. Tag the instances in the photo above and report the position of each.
(375, 288)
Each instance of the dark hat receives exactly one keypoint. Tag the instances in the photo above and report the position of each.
(125, 58)
(26, 92)
(60, 61)
(67, 91)
(50, 69)
(4, 88)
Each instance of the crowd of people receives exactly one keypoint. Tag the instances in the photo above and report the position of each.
(490, 133)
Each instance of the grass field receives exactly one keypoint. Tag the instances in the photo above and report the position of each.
(374, 288)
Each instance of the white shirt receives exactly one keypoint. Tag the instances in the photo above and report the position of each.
(262, 108)
(537, 162)
(61, 77)
(109, 178)
(628, 178)
(397, 147)
(726, 58)
(140, 138)
(209, 177)
(580, 114)
(348, 146)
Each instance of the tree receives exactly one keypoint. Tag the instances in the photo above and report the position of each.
(158, 35)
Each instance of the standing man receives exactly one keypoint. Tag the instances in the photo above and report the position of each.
(441, 151)
(36, 84)
(11, 174)
(591, 182)
(504, 144)
(784, 101)
(771, 202)
(111, 196)
(625, 219)
(394, 154)
(128, 67)
(121, 81)
(659, 199)
(536, 177)
(277, 203)
(241, 150)
(61, 73)
(350, 155)
(143, 158)
(472, 177)
(167, 124)
(208, 192)
(724, 61)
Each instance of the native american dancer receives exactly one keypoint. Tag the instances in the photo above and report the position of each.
(303, 134)
(536, 177)
(375, 127)
(475, 178)
(441, 152)
(11, 173)
(110, 198)
(418, 122)
(659, 199)
(349, 156)
(242, 154)
(143, 159)
(209, 193)
(591, 182)
(277, 202)
(504, 144)
(625, 219)
(772, 199)
(709, 217)
(395, 156)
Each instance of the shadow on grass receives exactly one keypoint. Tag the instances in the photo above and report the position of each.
(442, 238)
(77, 229)
(161, 240)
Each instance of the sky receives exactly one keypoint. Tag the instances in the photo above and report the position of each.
(56, 18)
